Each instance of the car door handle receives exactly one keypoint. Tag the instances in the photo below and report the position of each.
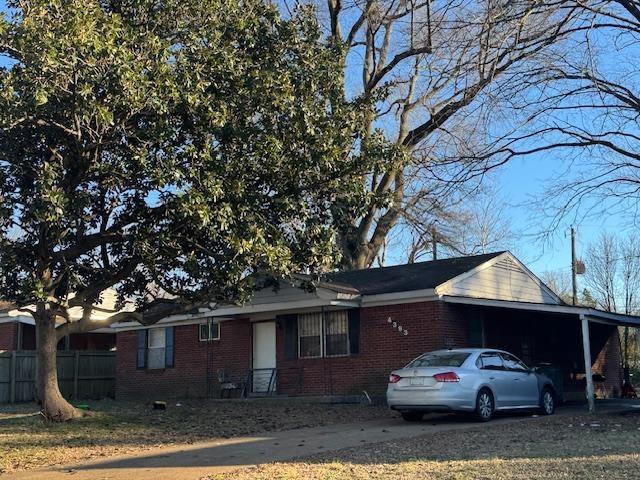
(492, 378)
(516, 379)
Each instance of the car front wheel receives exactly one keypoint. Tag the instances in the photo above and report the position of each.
(484, 405)
(547, 402)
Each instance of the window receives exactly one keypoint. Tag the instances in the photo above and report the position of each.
(209, 331)
(155, 348)
(157, 342)
(439, 359)
(336, 334)
(490, 361)
(323, 335)
(512, 363)
(310, 335)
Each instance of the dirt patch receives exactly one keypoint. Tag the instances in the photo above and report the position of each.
(561, 447)
(115, 428)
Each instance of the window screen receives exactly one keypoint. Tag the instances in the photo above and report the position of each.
(310, 335)
(337, 333)
(157, 344)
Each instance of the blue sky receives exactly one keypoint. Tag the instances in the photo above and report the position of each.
(524, 178)
(520, 182)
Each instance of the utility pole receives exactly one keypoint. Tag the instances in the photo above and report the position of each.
(573, 266)
(434, 242)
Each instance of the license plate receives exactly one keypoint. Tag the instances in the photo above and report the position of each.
(417, 381)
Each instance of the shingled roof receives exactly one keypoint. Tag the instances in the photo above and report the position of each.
(404, 278)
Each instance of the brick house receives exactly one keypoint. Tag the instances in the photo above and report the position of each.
(18, 331)
(345, 335)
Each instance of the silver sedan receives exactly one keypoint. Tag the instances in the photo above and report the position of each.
(476, 380)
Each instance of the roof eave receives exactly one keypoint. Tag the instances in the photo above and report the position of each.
(394, 298)
(591, 313)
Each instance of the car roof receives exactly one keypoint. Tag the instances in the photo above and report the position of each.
(466, 350)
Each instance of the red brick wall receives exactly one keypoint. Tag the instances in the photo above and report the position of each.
(608, 363)
(8, 335)
(430, 326)
(188, 378)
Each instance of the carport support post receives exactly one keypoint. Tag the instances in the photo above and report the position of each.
(586, 348)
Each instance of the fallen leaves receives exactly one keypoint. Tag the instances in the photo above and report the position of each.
(117, 428)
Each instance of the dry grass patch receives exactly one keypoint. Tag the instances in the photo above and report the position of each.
(561, 447)
(115, 428)
(587, 468)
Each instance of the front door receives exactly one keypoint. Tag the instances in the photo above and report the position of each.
(264, 356)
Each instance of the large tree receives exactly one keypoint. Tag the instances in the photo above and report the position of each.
(439, 72)
(174, 146)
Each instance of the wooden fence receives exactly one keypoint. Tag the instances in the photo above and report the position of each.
(81, 375)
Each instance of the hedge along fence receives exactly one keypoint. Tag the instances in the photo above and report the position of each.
(81, 375)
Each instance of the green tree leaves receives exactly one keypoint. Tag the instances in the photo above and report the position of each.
(182, 145)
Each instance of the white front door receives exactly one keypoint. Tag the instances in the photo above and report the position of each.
(264, 356)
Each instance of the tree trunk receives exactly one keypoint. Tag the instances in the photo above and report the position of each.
(356, 252)
(54, 406)
(359, 259)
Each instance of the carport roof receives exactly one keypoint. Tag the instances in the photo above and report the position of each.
(410, 277)
(592, 314)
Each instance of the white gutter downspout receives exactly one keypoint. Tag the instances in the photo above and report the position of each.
(586, 347)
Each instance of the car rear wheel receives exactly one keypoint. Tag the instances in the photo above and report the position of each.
(547, 402)
(412, 416)
(484, 405)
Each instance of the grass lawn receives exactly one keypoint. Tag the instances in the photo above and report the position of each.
(560, 447)
(115, 428)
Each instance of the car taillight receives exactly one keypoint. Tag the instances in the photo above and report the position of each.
(446, 377)
(393, 378)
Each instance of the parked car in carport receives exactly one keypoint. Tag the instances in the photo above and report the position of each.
(475, 380)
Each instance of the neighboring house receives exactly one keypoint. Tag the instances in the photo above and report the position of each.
(18, 331)
(345, 337)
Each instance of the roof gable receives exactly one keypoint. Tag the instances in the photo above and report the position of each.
(410, 277)
(502, 278)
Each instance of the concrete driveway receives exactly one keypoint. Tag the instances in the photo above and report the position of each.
(197, 460)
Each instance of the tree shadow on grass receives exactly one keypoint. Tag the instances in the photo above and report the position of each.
(116, 427)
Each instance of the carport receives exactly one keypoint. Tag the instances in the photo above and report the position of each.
(567, 336)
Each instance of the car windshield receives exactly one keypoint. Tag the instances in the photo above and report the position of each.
(440, 359)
